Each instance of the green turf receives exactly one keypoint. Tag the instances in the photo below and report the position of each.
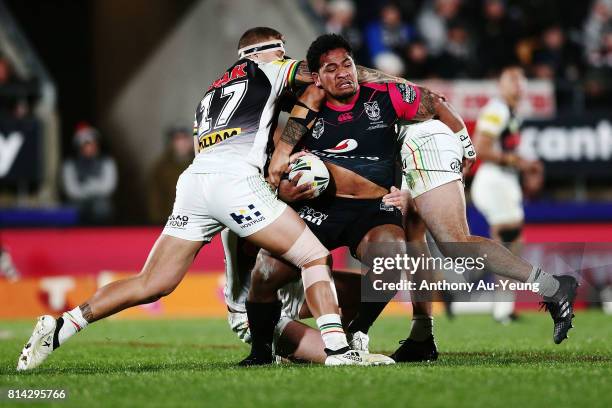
(192, 363)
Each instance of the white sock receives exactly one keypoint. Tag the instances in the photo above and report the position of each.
(74, 322)
(332, 332)
(548, 285)
(421, 327)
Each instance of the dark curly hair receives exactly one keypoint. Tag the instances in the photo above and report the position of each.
(323, 44)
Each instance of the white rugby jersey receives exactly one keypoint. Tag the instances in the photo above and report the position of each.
(234, 118)
(497, 120)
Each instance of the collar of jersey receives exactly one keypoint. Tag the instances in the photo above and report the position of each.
(348, 106)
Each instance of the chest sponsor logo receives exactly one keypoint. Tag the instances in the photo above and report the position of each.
(247, 217)
(372, 110)
(177, 221)
(345, 117)
(318, 129)
(407, 92)
(344, 146)
(211, 139)
(311, 215)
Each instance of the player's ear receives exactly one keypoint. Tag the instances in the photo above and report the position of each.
(316, 79)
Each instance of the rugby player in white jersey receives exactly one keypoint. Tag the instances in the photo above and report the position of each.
(224, 186)
(496, 188)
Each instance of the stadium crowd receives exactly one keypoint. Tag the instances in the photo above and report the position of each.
(454, 39)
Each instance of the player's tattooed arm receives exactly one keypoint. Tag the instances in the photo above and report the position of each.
(303, 77)
(302, 119)
(293, 132)
(433, 105)
(365, 74)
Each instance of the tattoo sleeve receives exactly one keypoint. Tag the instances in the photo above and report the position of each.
(293, 132)
(302, 75)
(365, 74)
(427, 105)
(433, 105)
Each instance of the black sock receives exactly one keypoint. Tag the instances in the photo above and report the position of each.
(263, 318)
(367, 315)
(373, 302)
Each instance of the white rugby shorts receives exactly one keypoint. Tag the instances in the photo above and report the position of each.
(496, 193)
(205, 203)
(431, 156)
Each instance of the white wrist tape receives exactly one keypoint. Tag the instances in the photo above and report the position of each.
(469, 152)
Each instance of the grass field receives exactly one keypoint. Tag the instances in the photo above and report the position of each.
(192, 363)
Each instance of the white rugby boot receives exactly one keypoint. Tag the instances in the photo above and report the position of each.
(39, 346)
(356, 357)
(359, 341)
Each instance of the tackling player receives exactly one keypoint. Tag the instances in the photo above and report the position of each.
(224, 186)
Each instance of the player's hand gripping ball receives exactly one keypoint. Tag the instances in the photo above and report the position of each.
(313, 171)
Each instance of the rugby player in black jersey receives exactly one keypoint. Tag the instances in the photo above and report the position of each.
(355, 135)
(333, 70)
(346, 102)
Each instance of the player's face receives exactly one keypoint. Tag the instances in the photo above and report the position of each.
(513, 84)
(337, 75)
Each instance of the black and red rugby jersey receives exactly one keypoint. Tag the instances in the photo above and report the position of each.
(360, 136)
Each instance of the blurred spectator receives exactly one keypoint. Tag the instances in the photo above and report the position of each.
(90, 178)
(599, 21)
(166, 171)
(340, 20)
(432, 23)
(555, 59)
(390, 63)
(598, 83)
(419, 63)
(389, 33)
(457, 59)
(16, 95)
(496, 38)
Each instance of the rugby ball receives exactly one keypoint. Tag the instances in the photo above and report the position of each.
(313, 171)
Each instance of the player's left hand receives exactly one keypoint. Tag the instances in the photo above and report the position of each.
(289, 191)
(397, 198)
